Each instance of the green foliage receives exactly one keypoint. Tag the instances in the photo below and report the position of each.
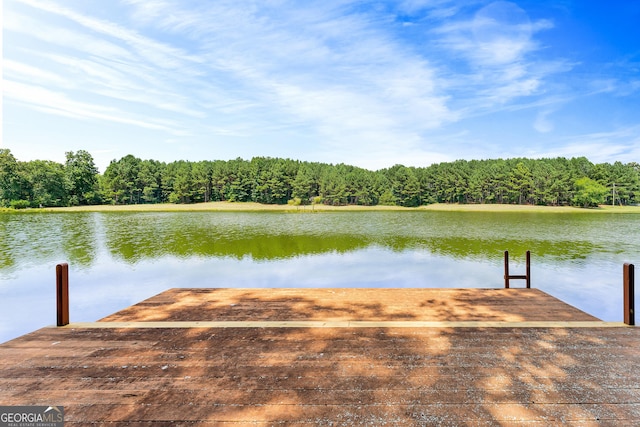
(49, 186)
(81, 174)
(20, 204)
(405, 187)
(130, 180)
(589, 193)
(304, 186)
(387, 198)
(122, 180)
(12, 182)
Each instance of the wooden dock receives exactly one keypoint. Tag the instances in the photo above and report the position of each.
(333, 357)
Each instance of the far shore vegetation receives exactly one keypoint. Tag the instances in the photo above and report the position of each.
(264, 183)
(259, 207)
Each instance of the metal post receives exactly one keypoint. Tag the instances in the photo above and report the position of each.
(506, 269)
(628, 294)
(528, 269)
(508, 276)
(62, 294)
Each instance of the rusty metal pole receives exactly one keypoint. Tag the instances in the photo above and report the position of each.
(62, 294)
(528, 269)
(506, 269)
(628, 280)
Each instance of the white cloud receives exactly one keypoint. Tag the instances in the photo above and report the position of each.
(160, 54)
(622, 144)
(496, 43)
(338, 74)
(542, 123)
(28, 73)
(71, 40)
(108, 64)
(59, 104)
(331, 80)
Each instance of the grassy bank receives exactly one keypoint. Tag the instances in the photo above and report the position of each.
(530, 208)
(217, 207)
(257, 207)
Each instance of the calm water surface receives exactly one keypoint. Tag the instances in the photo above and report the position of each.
(118, 259)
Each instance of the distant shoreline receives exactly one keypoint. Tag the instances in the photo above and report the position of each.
(257, 207)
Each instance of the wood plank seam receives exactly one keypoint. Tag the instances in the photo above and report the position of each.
(342, 324)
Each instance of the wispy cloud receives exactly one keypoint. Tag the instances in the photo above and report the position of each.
(496, 45)
(622, 144)
(370, 88)
(543, 123)
(371, 83)
(28, 73)
(59, 104)
(160, 54)
(71, 40)
(86, 70)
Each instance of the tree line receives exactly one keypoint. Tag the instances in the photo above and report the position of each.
(131, 180)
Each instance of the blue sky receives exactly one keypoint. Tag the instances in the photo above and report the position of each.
(368, 83)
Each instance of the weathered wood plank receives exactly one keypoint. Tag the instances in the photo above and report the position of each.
(514, 375)
(352, 304)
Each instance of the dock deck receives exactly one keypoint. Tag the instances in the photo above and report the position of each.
(333, 357)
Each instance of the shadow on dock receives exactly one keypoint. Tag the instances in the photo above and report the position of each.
(546, 363)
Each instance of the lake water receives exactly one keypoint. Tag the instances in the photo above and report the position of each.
(118, 259)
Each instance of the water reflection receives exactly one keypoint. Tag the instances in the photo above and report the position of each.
(79, 239)
(7, 257)
(490, 249)
(118, 259)
(132, 238)
(268, 236)
(84, 239)
(27, 240)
